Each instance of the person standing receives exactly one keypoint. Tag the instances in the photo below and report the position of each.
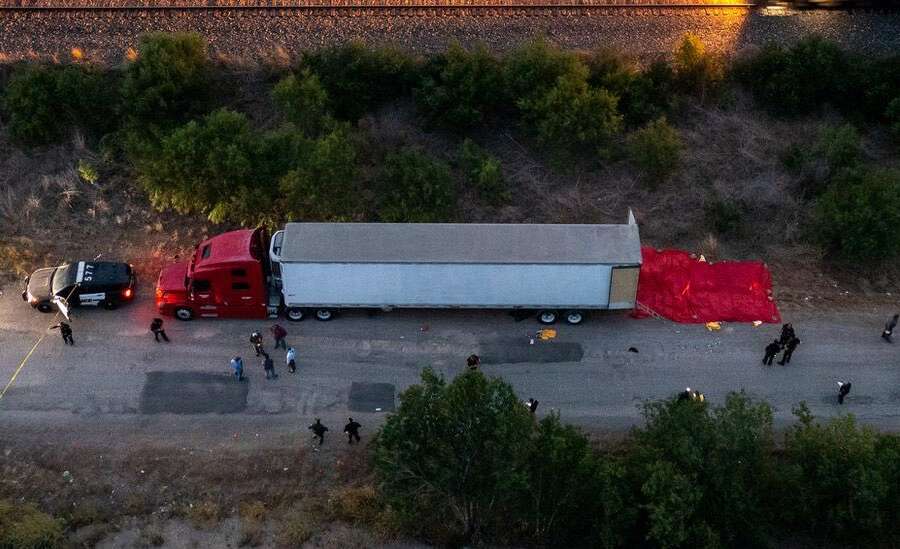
(66, 332)
(318, 430)
(532, 405)
(256, 341)
(237, 363)
(889, 329)
(291, 359)
(843, 390)
(157, 329)
(772, 349)
(352, 430)
(789, 350)
(787, 333)
(278, 334)
(269, 367)
(473, 362)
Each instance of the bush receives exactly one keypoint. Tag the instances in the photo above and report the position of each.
(643, 95)
(858, 215)
(359, 79)
(414, 187)
(533, 69)
(697, 72)
(460, 88)
(304, 102)
(483, 173)
(44, 103)
(724, 216)
(655, 150)
(892, 113)
(168, 84)
(841, 148)
(879, 85)
(22, 526)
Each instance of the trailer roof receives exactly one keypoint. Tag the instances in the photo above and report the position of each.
(461, 243)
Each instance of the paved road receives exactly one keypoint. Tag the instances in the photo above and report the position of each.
(116, 383)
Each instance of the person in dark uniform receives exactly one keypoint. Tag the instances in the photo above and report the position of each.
(157, 329)
(256, 341)
(532, 405)
(772, 349)
(66, 332)
(889, 329)
(352, 430)
(278, 334)
(269, 367)
(843, 391)
(787, 333)
(318, 430)
(473, 362)
(789, 350)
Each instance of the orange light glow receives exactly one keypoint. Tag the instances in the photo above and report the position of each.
(127, 293)
(77, 54)
(131, 54)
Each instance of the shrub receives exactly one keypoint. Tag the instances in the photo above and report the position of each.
(413, 187)
(356, 504)
(483, 173)
(168, 84)
(304, 102)
(892, 113)
(879, 85)
(858, 215)
(359, 79)
(841, 147)
(643, 95)
(460, 88)
(655, 150)
(22, 526)
(44, 103)
(697, 72)
(532, 70)
(574, 116)
(88, 172)
(724, 216)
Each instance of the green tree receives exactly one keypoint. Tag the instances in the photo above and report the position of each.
(414, 187)
(533, 69)
(168, 84)
(460, 88)
(324, 187)
(857, 216)
(643, 95)
(655, 149)
(697, 72)
(304, 102)
(841, 147)
(484, 173)
(453, 453)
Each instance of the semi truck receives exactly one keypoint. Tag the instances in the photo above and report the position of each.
(318, 269)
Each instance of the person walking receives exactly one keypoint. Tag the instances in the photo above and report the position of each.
(157, 329)
(256, 341)
(318, 430)
(237, 363)
(772, 349)
(352, 430)
(789, 350)
(889, 329)
(66, 332)
(532, 405)
(291, 359)
(473, 362)
(787, 333)
(278, 334)
(269, 367)
(843, 390)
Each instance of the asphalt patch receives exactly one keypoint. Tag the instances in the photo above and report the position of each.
(367, 397)
(193, 393)
(520, 350)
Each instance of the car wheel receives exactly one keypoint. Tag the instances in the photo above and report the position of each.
(109, 305)
(324, 315)
(547, 317)
(574, 317)
(183, 313)
(294, 314)
(44, 307)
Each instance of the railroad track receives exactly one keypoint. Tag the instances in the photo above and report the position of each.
(389, 9)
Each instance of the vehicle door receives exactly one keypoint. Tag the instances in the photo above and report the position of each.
(89, 296)
(203, 298)
(242, 295)
(62, 305)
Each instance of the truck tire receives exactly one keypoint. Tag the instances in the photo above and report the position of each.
(324, 314)
(183, 313)
(574, 317)
(44, 307)
(547, 317)
(294, 314)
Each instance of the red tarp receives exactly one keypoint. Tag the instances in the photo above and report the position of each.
(678, 286)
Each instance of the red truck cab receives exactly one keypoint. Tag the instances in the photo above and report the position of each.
(226, 277)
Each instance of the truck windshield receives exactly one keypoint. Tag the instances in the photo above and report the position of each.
(63, 276)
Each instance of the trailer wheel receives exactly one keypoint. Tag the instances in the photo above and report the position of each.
(574, 317)
(44, 307)
(324, 315)
(547, 317)
(294, 314)
(183, 313)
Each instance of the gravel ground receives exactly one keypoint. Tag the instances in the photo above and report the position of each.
(246, 37)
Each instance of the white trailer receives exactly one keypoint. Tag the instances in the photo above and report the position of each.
(551, 269)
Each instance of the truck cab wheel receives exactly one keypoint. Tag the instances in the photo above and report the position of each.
(294, 314)
(324, 315)
(183, 313)
(547, 317)
(44, 307)
(574, 317)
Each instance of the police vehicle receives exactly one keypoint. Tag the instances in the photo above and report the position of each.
(104, 284)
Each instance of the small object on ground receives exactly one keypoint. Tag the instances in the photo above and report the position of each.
(713, 326)
(632, 349)
(546, 333)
